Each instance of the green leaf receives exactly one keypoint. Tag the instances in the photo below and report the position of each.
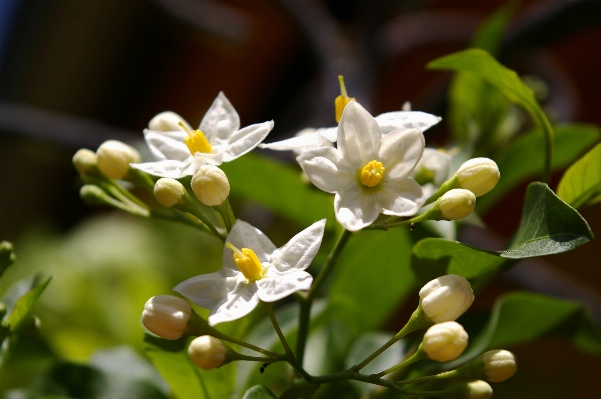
(372, 269)
(522, 158)
(489, 36)
(435, 257)
(259, 392)
(300, 392)
(185, 379)
(7, 256)
(279, 187)
(548, 226)
(582, 181)
(522, 317)
(20, 313)
(507, 81)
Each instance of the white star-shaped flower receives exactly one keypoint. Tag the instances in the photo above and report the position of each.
(307, 139)
(179, 151)
(368, 171)
(432, 170)
(253, 270)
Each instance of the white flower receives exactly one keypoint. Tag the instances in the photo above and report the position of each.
(432, 170)
(368, 171)
(181, 151)
(253, 270)
(308, 139)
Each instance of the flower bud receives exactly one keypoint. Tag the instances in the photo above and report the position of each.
(444, 342)
(211, 186)
(499, 365)
(3, 310)
(456, 204)
(479, 175)
(166, 316)
(208, 352)
(446, 298)
(114, 157)
(167, 122)
(469, 390)
(169, 192)
(84, 160)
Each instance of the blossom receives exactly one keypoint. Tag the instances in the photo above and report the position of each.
(307, 139)
(181, 151)
(368, 171)
(432, 170)
(446, 298)
(253, 270)
(166, 316)
(445, 341)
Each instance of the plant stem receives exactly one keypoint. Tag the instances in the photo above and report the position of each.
(548, 130)
(305, 305)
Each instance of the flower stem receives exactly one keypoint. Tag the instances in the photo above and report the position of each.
(418, 355)
(305, 305)
(226, 213)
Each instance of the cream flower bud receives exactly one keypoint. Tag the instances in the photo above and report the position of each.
(169, 192)
(208, 352)
(478, 390)
(166, 316)
(479, 175)
(456, 204)
(84, 160)
(211, 186)
(499, 365)
(446, 298)
(167, 122)
(444, 342)
(114, 157)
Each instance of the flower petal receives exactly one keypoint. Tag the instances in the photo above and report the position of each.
(327, 170)
(400, 151)
(358, 135)
(220, 121)
(238, 143)
(167, 145)
(304, 140)
(238, 303)
(391, 121)
(207, 290)
(437, 161)
(299, 252)
(243, 235)
(401, 197)
(172, 169)
(355, 209)
(278, 286)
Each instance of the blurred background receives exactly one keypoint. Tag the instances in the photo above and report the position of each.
(74, 73)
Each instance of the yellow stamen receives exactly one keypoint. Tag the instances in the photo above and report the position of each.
(196, 140)
(247, 261)
(372, 174)
(341, 101)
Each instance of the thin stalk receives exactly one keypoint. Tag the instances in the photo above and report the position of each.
(245, 344)
(305, 305)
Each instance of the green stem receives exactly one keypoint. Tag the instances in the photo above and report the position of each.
(305, 305)
(442, 376)
(416, 322)
(269, 354)
(227, 215)
(418, 355)
(548, 148)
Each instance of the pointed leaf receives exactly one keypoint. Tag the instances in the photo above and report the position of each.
(300, 392)
(24, 305)
(548, 226)
(582, 181)
(259, 392)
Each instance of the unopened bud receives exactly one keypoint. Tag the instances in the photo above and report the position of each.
(7, 255)
(169, 192)
(469, 390)
(444, 342)
(494, 366)
(446, 298)
(208, 352)
(456, 204)
(211, 186)
(479, 175)
(84, 161)
(167, 122)
(166, 316)
(114, 157)
(3, 310)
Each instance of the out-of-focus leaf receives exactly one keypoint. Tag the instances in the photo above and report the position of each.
(582, 181)
(371, 278)
(522, 317)
(258, 392)
(23, 307)
(185, 379)
(279, 187)
(300, 392)
(435, 257)
(548, 226)
(490, 34)
(523, 159)
(7, 256)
